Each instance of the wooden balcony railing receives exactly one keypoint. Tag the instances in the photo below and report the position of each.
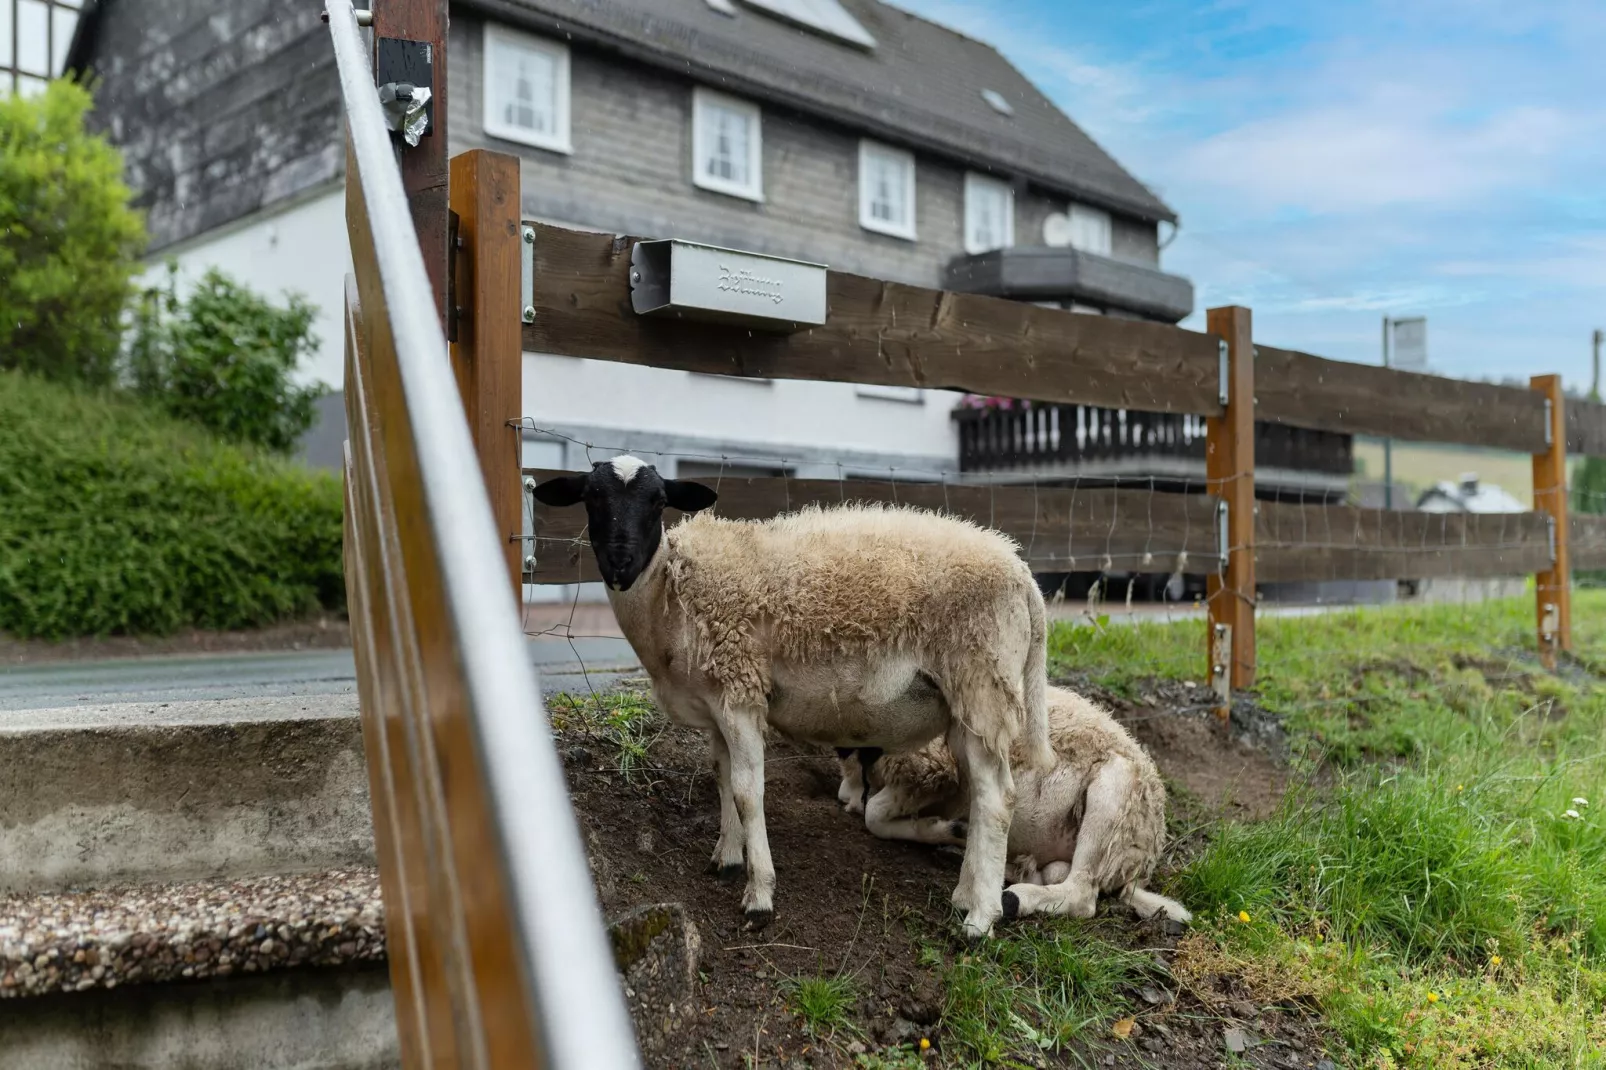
(1046, 435)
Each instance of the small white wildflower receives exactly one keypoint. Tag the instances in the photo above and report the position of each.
(1571, 815)
(1580, 801)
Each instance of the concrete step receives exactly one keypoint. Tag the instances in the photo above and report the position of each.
(172, 791)
(268, 972)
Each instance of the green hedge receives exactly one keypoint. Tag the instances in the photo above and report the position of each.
(117, 519)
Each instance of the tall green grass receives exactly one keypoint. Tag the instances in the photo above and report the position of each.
(1438, 881)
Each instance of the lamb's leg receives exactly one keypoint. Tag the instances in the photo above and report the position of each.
(727, 860)
(992, 803)
(886, 818)
(1147, 904)
(850, 793)
(744, 732)
(1108, 794)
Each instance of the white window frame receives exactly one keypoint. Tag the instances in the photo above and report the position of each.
(976, 184)
(1086, 213)
(905, 230)
(912, 394)
(559, 140)
(753, 190)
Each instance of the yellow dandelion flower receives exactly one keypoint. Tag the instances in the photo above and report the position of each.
(1460, 787)
(1495, 960)
(1243, 916)
(1433, 997)
(925, 1045)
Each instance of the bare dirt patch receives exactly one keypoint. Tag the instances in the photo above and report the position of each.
(877, 913)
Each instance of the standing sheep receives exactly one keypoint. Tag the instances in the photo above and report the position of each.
(1095, 823)
(854, 626)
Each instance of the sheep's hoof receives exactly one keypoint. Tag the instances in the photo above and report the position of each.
(757, 919)
(1011, 905)
(730, 872)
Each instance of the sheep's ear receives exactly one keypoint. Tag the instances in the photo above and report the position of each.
(687, 496)
(564, 490)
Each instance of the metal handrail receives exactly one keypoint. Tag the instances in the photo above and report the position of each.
(557, 929)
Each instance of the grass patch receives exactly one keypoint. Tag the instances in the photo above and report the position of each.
(1442, 897)
(1035, 991)
(824, 1003)
(626, 720)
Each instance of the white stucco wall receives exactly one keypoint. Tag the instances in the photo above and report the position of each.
(300, 248)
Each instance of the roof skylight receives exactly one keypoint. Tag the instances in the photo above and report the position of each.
(824, 16)
(996, 101)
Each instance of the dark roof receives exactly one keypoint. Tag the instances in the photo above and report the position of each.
(921, 85)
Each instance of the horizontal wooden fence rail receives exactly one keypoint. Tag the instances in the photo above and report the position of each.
(1588, 542)
(879, 333)
(887, 333)
(1339, 542)
(1059, 529)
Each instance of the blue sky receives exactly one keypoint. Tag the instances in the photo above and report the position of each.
(1337, 162)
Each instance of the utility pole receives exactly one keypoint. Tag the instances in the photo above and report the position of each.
(1594, 383)
(1388, 443)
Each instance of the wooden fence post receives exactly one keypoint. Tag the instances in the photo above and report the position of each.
(1554, 586)
(487, 355)
(1230, 472)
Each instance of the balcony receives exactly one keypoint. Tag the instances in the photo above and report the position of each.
(1045, 273)
(1007, 441)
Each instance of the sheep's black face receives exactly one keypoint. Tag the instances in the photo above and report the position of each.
(625, 500)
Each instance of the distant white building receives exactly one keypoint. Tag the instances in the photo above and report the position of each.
(1468, 495)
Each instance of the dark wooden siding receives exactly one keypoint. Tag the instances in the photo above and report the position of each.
(219, 108)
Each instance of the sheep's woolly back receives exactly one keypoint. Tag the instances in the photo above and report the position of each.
(857, 579)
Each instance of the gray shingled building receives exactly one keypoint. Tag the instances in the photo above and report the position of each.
(855, 134)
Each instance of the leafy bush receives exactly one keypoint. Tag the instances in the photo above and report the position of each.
(223, 357)
(119, 519)
(68, 239)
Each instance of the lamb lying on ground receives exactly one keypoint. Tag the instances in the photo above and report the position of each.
(1095, 823)
(853, 627)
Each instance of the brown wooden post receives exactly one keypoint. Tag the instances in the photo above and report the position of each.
(423, 167)
(1230, 471)
(1553, 587)
(488, 356)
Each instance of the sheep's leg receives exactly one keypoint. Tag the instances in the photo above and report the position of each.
(1108, 795)
(744, 733)
(992, 803)
(885, 818)
(727, 860)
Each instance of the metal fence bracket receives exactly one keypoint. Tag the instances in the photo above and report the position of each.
(1220, 666)
(527, 261)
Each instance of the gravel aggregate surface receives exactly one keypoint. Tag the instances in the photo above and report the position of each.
(105, 937)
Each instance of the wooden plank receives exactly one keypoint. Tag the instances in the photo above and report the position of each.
(1553, 583)
(1586, 543)
(877, 332)
(1313, 543)
(1331, 395)
(1586, 428)
(488, 358)
(395, 822)
(1059, 529)
(1230, 475)
(472, 981)
(424, 167)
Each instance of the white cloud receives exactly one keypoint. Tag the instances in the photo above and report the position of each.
(1391, 149)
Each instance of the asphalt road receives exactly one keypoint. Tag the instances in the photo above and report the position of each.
(587, 663)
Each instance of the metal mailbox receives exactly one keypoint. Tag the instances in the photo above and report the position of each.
(704, 282)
